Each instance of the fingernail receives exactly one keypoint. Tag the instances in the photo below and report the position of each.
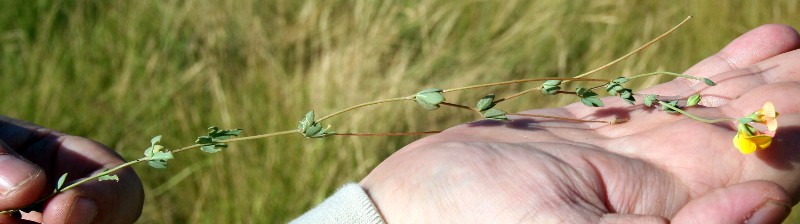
(83, 211)
(14, 173)
(770, 212)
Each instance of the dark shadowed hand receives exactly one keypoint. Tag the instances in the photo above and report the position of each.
(32, 159)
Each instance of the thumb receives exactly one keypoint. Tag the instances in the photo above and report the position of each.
(21, 182)
(749, 202)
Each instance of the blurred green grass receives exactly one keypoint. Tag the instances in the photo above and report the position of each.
(121, 72)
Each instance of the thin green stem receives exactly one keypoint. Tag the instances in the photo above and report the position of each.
(637, 50)
(704, 120)
(520, 81)
(366, 104)
(238, 139)
(389, 134)
(563, 118)
(459, 106)
(664, 73)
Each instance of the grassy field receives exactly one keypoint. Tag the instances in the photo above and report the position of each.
(121, 72)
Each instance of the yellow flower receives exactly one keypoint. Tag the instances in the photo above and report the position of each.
(768, 116)
(747, 143)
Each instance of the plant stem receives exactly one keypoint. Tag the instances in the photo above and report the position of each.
(561, 118)
(664, 73)
(389, 134)
(637, 50)
(459, 106)
(364, 105)
(704, 120)
(520, 81)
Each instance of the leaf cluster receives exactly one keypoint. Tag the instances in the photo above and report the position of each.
(211, 143)
(155, 155)
(310, 128)
(485, 107)
(429, 98)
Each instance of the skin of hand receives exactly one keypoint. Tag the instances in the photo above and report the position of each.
(32, 159)
(655, 168)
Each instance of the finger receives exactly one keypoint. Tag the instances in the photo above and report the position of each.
(759, 44)
(616, 218)
(749, 202)
(78, 157)
(21, 182)
(94, 202)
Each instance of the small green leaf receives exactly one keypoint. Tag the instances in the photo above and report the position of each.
(627, 95)
(162, 156)
(158, 164)
(693, 100)
(212, 148)
(429, 98)
(310, 128)
(155, 140)
(620, 80)
(108, 177)
(614, 88)
(218, 135)
(551, 87)
(317, 131)
(552, 82)
(487, 102)
(592, 101)
(588, 97)
(709, 82)
(60, 183)
(581, 92)
(650, 99)
(159, 159)
(550, 90)
(150, 150)
(494, 114)
(307, 121)
(209, 149)
(673, 103)
(204, 140)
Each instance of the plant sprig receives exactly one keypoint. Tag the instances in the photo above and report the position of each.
(217, 139)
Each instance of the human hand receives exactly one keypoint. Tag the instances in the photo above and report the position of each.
(655, 168)
(32, 159)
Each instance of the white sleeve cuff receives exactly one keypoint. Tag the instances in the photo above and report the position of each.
(350, 204)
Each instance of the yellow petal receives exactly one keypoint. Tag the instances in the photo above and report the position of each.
(772, 124)
(768, 110)
(744, 145)
(760, 141)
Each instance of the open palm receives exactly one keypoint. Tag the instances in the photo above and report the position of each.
(654, 168)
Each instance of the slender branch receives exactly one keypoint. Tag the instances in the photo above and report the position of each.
(366, 104)
(562, 118)
(459, 106)
(704, 120)
(664, 73)
(637, 50)
(389, 134)
(521, 81)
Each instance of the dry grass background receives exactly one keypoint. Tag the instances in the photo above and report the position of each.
(121, 72)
